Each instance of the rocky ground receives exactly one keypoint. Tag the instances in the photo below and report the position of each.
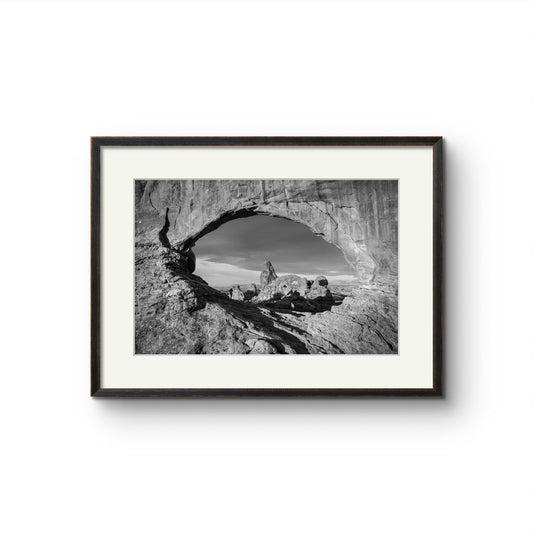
(178, 313)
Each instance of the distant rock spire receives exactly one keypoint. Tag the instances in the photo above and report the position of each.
(268, 275)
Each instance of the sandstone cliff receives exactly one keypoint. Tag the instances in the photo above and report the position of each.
(359, 217)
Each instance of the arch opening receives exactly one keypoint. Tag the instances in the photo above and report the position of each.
(233, 250)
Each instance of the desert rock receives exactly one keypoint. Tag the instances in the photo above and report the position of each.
(267, 275)
(251, 291)
(262, 346)
(177, 312)
(236, 293)
(319, 289)
(357, 216)
(321, 281)
(282, 286)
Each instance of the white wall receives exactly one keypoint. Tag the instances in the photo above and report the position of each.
(458, 69)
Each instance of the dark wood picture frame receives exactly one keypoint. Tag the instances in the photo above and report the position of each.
(437, 145)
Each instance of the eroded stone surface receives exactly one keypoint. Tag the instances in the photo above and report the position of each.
(262, 346)
(282, 286)
(236, 293)
(267, 275)
(251, 291)
(320, 281)
(178, 313)
(319, 290)
(360, 217)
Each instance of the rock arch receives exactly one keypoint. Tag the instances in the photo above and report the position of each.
(360, 217)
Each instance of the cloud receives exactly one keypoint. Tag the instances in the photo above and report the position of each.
(224, 275)
(339, 280)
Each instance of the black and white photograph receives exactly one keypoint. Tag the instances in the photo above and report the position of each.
(266, 266)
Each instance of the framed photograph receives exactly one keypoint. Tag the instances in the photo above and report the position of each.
(266, 266)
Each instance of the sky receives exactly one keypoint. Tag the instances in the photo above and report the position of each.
(236, 252)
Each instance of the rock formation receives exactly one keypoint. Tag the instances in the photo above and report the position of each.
(320, 281)
(251, 291)
(176, 312)
(282, 286)
(235, 293)
(359, 217)
(263, 346)
(181, 258)
(267, 275)
(319, 289)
